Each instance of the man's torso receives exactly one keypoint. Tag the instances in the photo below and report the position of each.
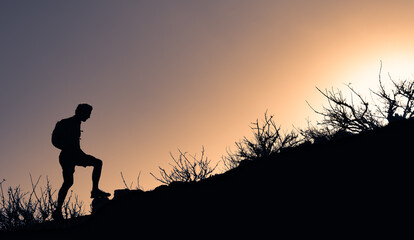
(72, 133)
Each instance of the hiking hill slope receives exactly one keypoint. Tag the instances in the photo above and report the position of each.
(357, 186)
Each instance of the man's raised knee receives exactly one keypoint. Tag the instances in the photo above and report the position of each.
(98, 163)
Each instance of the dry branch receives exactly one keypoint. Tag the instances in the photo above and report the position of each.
(185, 169)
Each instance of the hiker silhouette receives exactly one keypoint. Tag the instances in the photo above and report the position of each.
(66, 137)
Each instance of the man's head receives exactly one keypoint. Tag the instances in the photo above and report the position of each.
(83, 111)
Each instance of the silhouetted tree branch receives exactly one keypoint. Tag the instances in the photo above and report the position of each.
(268, 139)
(346, 115)
(349, 116)
(397, 103)
(185, 169)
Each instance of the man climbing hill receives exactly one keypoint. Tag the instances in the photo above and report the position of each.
(66, 136)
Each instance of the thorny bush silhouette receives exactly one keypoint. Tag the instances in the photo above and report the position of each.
(19, 209)
(356, 114)
(268, 139)
(185, 169)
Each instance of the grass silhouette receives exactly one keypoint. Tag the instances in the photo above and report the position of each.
(19, 209)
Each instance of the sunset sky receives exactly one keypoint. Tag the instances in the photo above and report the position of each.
(163, 75)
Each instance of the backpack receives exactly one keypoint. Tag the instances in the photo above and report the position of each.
(58, 136)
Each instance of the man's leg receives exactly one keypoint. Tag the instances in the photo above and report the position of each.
(96, 175)
(67, 183)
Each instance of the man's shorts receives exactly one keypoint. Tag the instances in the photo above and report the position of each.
(69, 159)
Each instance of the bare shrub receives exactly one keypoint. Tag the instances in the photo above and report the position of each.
(268, 139)
(342, 114)
(186, 168)
(355, 114)
(314, 134)
(397, 103)
(19, 209)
